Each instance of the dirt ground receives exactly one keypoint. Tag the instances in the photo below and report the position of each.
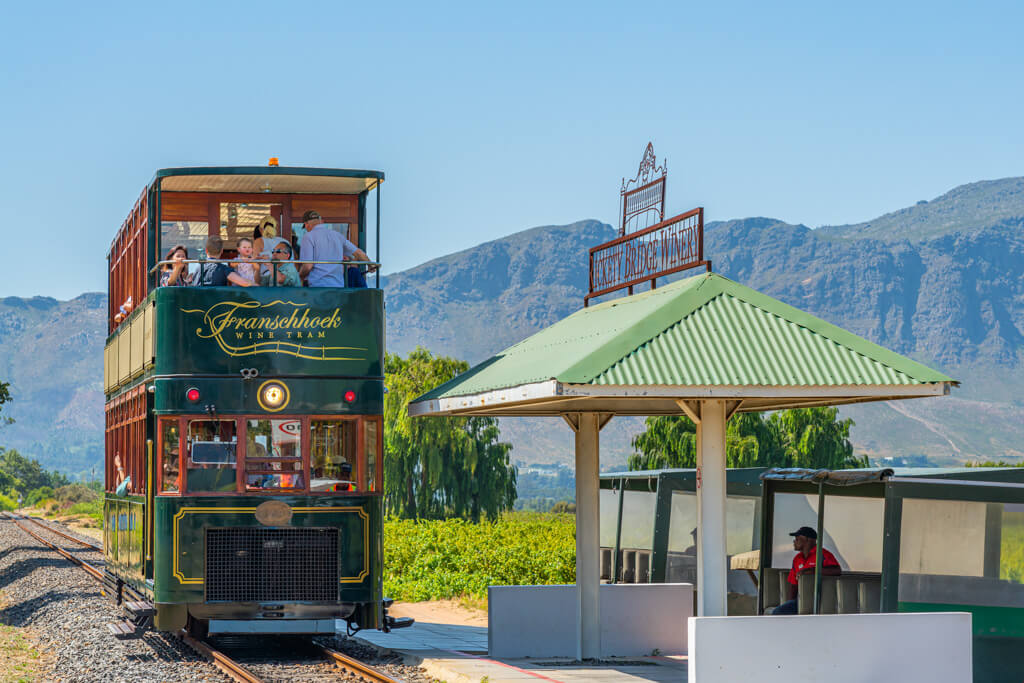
(440, 612)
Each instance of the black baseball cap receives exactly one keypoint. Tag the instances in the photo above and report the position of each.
(310, 215)
(806, 531)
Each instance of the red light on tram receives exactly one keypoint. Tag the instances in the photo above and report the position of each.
(192, 395)
(350, 396)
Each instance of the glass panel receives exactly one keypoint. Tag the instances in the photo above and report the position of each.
(169, 457)
(190, 234)
(240, 219)
(299, 229)
(638, 519)
(608, 504)
(273, 454)
(210, 450)
(792, 511)
(370, 446)
(955, 552)
(332, 454)
(854, 529)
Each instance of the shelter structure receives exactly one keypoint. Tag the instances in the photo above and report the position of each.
(703, 346)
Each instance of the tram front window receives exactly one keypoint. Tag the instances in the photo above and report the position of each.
(211, 448)
(332, 455)
(170, 456)
(273, 454)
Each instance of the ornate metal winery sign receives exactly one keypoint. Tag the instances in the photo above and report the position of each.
(643, 255)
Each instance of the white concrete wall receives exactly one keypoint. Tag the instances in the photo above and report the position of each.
(540, 621)
(839, 648)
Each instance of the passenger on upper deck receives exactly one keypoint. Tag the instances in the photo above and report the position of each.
(175, 274)
(805, 542)
(287, 276)
(217, 274)
(243, 263)
(323, 244)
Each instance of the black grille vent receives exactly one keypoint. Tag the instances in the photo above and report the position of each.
(258, 565)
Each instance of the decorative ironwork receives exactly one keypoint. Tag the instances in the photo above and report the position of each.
(647, 199)
(667, 247)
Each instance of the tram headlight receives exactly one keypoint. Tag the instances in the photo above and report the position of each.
(273, 396)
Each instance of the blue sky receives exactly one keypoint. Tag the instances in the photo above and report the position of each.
(490, 119)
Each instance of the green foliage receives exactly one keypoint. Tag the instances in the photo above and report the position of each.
(802, 437)
(75, 493)
(5, 397)
(1011, 556)
(26, 473)
(563, 507)
(452, 558)
(993, 463)
(6, 503)
(35, 496)
(92, 509)
(440, 466)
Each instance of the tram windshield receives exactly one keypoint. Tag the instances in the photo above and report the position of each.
(273, 454)
(211, 454)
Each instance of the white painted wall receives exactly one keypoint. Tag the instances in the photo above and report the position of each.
(540, 621)
(838, 648)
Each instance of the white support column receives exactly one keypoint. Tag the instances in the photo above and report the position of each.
(711, 572)
(588, 518)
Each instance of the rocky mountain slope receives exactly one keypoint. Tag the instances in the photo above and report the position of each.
(940, 281)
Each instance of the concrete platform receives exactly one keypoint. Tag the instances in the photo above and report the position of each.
(458, 654)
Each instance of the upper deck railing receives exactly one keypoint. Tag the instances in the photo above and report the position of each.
(274, 266)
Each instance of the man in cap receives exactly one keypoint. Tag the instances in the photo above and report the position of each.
(805, 543)
(320, 243)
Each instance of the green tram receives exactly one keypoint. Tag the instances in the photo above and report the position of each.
(243, 424)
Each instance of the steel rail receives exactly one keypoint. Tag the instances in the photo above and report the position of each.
(357, 668)
(94, 572)
(233, 669)
(87, 544)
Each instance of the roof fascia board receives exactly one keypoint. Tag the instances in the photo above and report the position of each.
(740, 391)
(517, 394)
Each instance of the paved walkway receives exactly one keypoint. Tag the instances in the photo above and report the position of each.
(458, 654)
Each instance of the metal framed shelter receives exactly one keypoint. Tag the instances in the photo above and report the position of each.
(923, 539)
(704, 346)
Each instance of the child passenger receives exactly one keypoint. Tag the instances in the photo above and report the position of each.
(243, 263)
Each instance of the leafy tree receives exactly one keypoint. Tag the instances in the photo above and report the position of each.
(802, 437)
(5, 397)
(28, 473)
(440, 466)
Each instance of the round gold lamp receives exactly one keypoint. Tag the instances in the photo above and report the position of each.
(273, 396)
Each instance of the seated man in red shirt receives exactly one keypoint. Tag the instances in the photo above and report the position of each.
(805, 542)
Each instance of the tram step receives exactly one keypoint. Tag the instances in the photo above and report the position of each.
(139, 609)
(387, 602)
(123, 630)
(399, 622)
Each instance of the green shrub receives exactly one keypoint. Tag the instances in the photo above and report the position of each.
(36, 495)
(75, 493)
(92, 509)
(6, 503)
(453, 558)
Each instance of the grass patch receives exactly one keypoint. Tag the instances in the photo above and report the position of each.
(456, 559)
(20, 660)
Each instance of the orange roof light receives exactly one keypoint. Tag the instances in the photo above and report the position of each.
(272, 162)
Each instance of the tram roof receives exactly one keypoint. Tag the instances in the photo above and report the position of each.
(266, 179)
(870, 475)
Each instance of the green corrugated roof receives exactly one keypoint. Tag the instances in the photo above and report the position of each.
(704, 330)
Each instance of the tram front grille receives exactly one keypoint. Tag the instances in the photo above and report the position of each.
(254, 564)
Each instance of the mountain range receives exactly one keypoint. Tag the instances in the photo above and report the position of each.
(939, 281)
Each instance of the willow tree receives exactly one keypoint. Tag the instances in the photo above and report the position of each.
(438, 467)
(801, 437)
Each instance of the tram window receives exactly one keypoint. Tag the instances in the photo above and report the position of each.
(211, 448)
(273, 454)
(169, 456)
(370, 447)
(240, 219)
(190, 234)
(333, 455)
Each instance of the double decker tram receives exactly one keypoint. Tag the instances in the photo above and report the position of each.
(243, 424)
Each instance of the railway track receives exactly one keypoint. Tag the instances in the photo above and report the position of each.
(352, 668)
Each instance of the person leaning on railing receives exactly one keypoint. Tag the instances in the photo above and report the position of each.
(287, 276)
(176, 274)
(323, 244)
